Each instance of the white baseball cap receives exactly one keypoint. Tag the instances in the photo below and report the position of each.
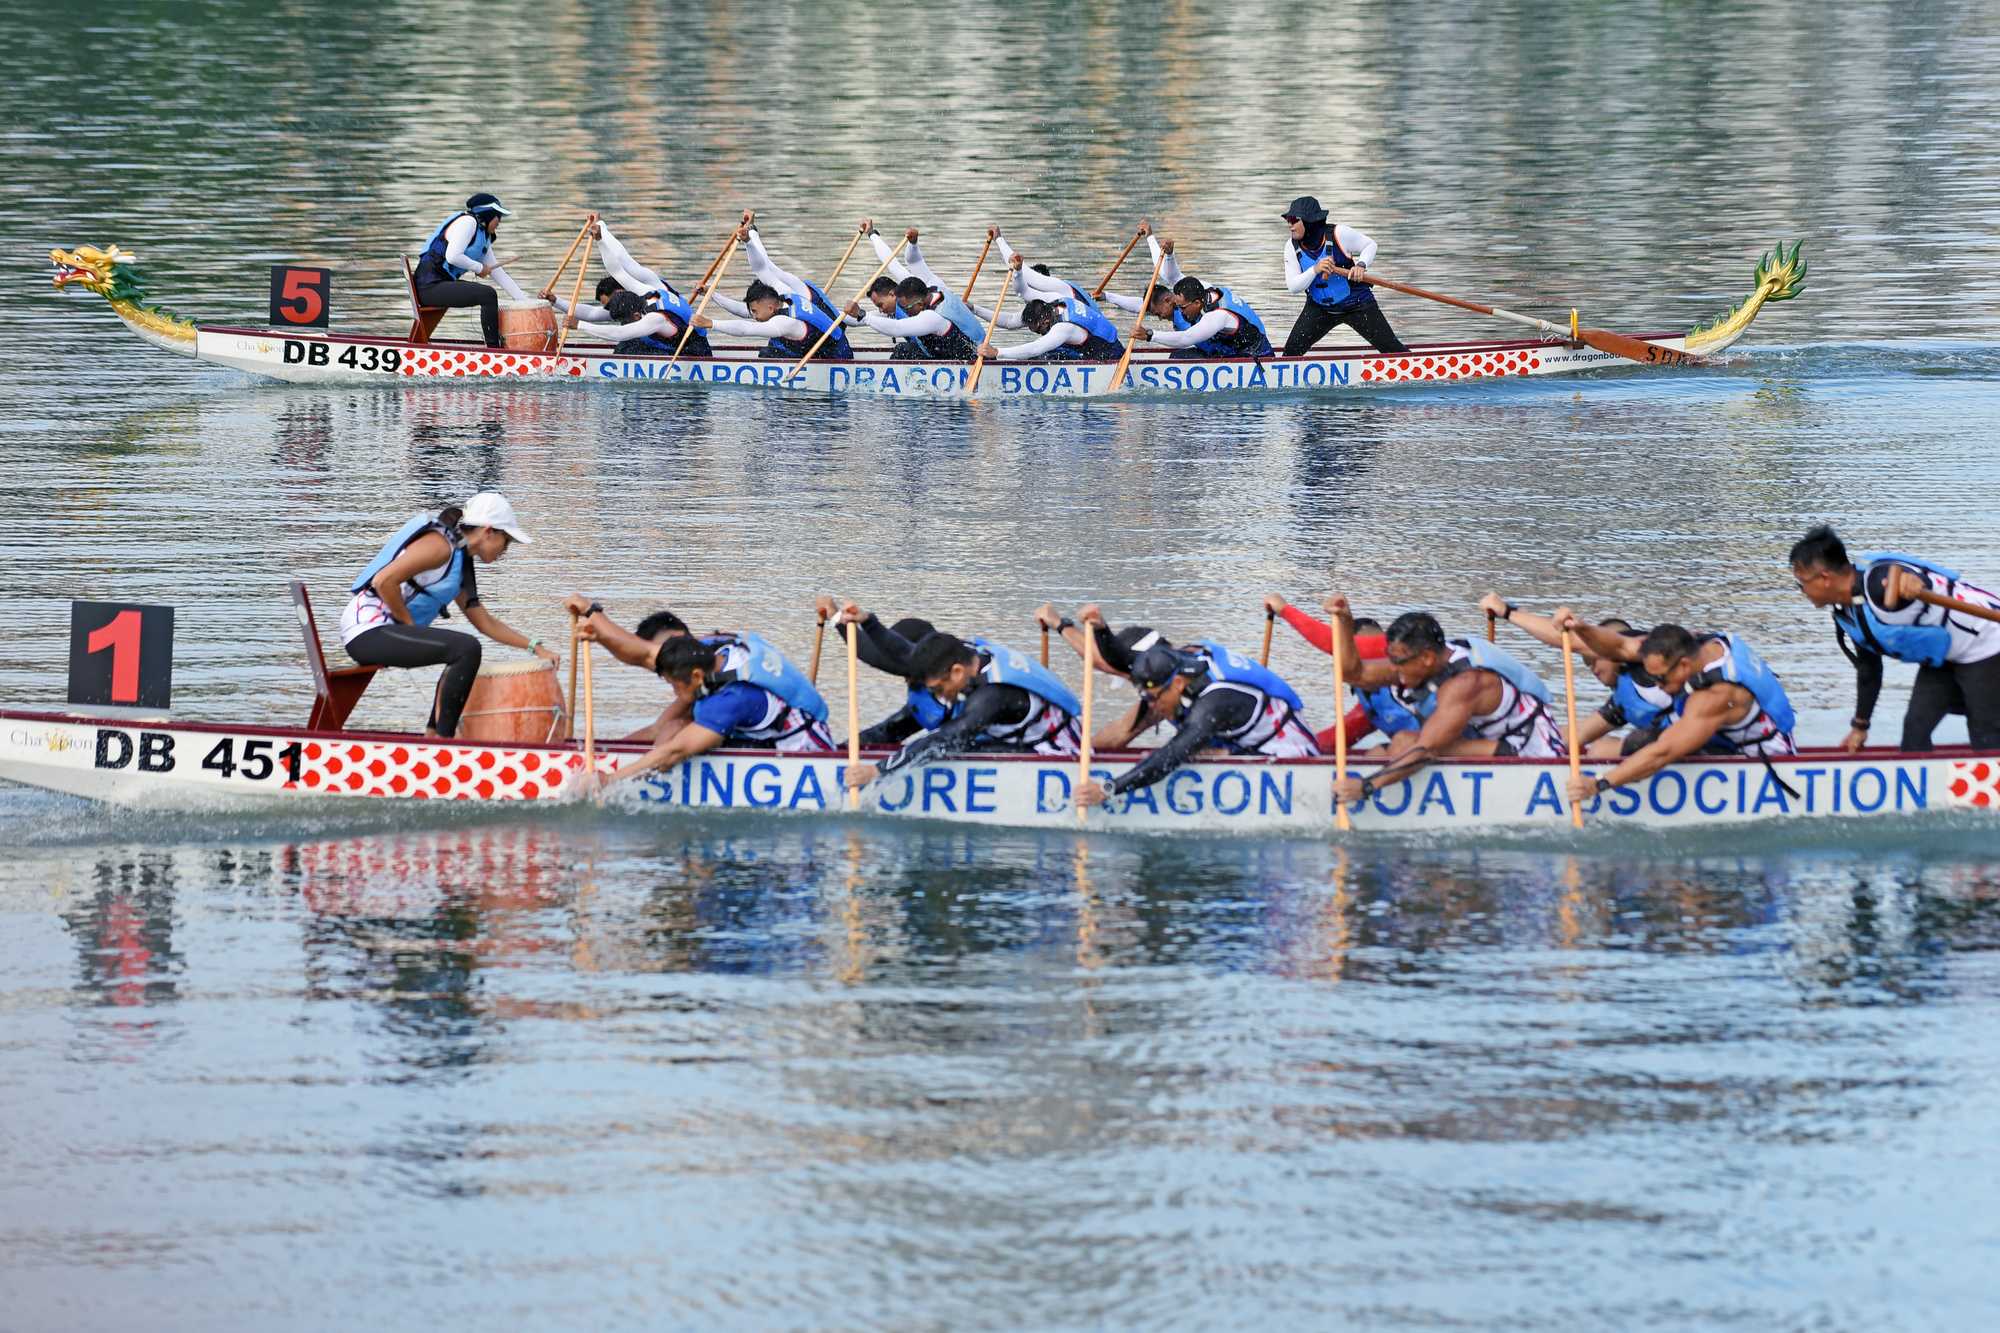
(490, 509)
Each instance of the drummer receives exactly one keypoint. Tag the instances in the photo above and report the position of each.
(462, 245)
(424, 567)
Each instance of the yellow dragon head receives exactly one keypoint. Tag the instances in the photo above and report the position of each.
(109, 273)
(1779, 277)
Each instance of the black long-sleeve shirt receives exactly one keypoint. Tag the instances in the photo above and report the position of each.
(1214, 712)
(986, 705)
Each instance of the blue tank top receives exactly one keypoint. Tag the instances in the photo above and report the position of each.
(434, 249)
(430, 599)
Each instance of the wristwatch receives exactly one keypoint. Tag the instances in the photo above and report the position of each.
(1603, 785)
(1367, 789)
(1508, 614)
(1858, 723)
(1065, 623)
(596, 608)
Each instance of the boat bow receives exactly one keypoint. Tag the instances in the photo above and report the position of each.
(110, 274)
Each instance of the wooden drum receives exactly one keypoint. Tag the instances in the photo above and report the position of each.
(515, 701)
(528, 326)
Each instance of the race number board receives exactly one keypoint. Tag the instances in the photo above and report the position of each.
(121, 655)
(301, 298)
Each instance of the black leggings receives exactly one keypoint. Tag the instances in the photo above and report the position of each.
(1971, 688)
(1362, 315)
(455, 295)
(425, 645)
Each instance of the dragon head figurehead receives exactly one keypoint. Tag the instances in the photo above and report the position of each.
(1780, 276)
(110, 273)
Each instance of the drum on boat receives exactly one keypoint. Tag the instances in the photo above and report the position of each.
(528, 326)
(515, 701)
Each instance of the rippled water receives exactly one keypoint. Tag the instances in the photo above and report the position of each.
(387, 1068)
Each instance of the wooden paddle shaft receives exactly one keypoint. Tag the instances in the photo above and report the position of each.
(819, 637)
(813, 351)
(974, 281)
(575, 294)
(1045, 645)
(1089, 693)
(853, 710)
(1138, 322)
(1959, 604)
(574, 639)
(1341, 819)
(1270, 621)
(979, 365)
(1492, 633)
(721, 262)
(589, 716)
(570, 254)
(858, 234)
(1618, 344)
(1120, 264)
(1569, 703)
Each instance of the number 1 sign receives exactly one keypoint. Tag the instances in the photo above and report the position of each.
(121, 655)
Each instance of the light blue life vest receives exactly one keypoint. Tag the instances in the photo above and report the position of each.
(1926, 645)
(835, 348)
(1743, 667)
(767, 668)
(1641, 705)
(1333, 290)
(1250, 338)
(1085, 315)
(1388, 715)
(1008, 667)
(927, 710)
(1479, 656)
(1224, 664)
(434, 249)
(954, 308)
(433, 596)
(673, 305)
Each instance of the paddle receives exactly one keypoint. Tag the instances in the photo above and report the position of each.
(819, 637)
(1953, 604)
(858, 234)
(1569, 702)
(574, 639)
(1045, 645)
(1492, 623)
(979, 366)
(589, 717)
(1120, 264)
(570, 254)
(1138, 322)
(853, 709)
(1083, 750)
(1270, 622)
(1341, 819)
(974, 282)
(1617, 344)
(575, 295)
(834, 323)
(714, 271)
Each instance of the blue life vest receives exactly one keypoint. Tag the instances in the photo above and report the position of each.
(1479, 656)
(673, 305)
(1250, 338)
(430, 599)
(954, 308)
(1333, 290)
(1926, 645)
(434, 249)
(1641, 705)
(1088, 300)
(927, 710)
(1743, 667)
(1226, 665)
(1388, 715)
(767, 669)
(1086, 316)
(1007, 667)
(817, 321)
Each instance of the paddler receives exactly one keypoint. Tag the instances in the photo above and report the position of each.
(1472, 698)
(915, 307)
(1637, 702)
(997, 700)
(1214, 698)
(790, 311)
(1114, 651)
(424, 567)
(891, 650)
(1876, 614)
(1726, 699)
(1068, 329)
(651, 323)
(635, 647)
(462, 246)
(1317, 257)
(1373, 710)
(1207, 321)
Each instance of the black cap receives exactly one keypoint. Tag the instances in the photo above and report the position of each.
(1305, 208)
(485, 203)
(1156, 666)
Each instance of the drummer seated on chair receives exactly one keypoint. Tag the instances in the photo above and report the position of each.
(425, 566)
(462, 245)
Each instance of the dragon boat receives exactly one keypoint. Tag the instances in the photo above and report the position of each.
(169, 763)
(303, 357)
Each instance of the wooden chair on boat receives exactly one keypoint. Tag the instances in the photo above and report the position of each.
(425, 322)
(336, 690)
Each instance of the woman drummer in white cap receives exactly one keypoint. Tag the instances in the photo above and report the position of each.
(422, 569)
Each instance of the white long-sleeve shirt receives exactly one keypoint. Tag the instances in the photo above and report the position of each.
(1033, 286)
(633, 276)
(923, 324)
(766, 271)
(457, 237)
(1170, 273)
(778, 326)
(1009, 319)
(1064, 334)
(1358, 247)
(1214, 324)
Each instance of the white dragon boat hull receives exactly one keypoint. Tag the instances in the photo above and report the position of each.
(173, 764)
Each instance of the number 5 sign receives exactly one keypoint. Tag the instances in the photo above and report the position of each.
(301, 297)
(121, 655)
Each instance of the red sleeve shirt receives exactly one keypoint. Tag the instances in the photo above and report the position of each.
(1320, 635)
